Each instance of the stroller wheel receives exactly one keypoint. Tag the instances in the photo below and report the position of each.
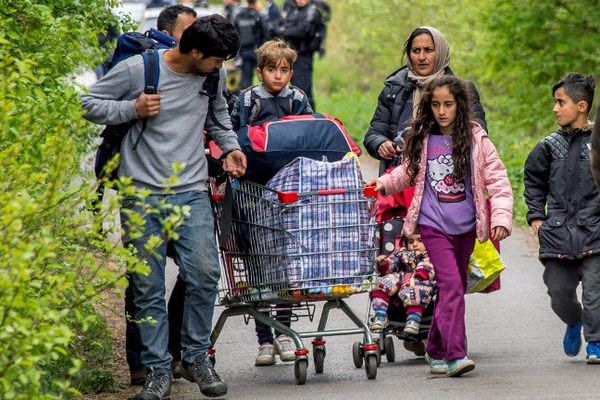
(418, 348)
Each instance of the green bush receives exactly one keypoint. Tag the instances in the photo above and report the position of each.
(53, 263)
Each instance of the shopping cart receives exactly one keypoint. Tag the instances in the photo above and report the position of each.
(281, 249)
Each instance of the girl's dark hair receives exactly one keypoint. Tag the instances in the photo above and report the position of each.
(425, 121)
(213, 36)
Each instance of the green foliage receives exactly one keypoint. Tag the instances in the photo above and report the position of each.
(514, 51)
(54, 264)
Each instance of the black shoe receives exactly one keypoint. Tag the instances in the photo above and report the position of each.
(203, 373)
(179, 372)
(138, 377)
(157, 386)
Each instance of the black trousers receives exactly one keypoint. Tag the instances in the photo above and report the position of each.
(562, 278)
(302, 78)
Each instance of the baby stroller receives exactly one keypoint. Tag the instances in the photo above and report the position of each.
(391, 224)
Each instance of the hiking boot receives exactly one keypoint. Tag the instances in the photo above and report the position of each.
(266, 355)
(285, 347)
(436, 366)
(593, 353)
(203, 373)
(572, 340)
(460, 366)
(137, 377)
(379, 323)
(412, 327)
(157, 386)
(178, 371)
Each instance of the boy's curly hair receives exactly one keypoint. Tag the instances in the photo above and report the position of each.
(273, 51)
(425, 122)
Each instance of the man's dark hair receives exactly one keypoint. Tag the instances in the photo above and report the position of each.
(213, 36)
(167, 19)
(578, 87)
(251, 2)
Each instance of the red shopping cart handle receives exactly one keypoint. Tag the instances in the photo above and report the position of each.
(292, 197)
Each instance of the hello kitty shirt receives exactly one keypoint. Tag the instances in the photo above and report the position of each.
(447, 202)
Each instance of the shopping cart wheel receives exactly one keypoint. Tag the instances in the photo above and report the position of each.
(371, 366)
(357, 354)
(390, 352)
(300, 371)
(319, 359)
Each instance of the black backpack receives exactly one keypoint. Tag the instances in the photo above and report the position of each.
(248, 24)
(128, 45)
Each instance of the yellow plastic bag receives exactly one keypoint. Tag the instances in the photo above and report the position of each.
(484, 267)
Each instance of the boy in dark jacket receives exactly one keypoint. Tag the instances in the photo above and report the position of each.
(564, 212)
(269, 101)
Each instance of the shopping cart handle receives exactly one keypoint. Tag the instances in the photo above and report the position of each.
(370, 191)
(292, 197)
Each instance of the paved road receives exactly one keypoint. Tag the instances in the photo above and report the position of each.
(514, 339)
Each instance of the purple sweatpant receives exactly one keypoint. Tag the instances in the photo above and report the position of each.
(449, 255)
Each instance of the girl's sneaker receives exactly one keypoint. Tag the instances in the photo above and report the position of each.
(436, 366)
(593, 353)
(460, 366)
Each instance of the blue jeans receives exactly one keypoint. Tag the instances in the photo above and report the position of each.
(196, 252)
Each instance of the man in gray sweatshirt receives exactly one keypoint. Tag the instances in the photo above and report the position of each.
(173, 134)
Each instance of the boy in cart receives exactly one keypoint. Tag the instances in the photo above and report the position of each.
(272, 99)
(408, 274)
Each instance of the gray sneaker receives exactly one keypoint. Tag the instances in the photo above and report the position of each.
(412, 327)
(203, 373)
(157, 386)
(266, 355)
(285, 347)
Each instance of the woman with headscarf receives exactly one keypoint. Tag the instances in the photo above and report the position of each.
(427, 57)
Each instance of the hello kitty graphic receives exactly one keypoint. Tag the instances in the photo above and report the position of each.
(441, 172)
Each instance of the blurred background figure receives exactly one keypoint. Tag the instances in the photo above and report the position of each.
(302, 29)
(253, 31)
(232, 7)
(274, 18)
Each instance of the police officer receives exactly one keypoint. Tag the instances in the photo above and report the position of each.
(301, 29)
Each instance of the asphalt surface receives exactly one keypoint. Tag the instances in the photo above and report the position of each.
(514, 339)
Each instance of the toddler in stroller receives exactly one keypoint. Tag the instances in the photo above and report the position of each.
(406, 285)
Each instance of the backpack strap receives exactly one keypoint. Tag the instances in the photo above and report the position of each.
(151, 76)
(248, 100)
(210, 88)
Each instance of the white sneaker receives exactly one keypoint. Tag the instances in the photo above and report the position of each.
(285, 347)
(412, 327)
(266, 355)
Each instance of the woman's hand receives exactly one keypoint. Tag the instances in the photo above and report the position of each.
(498, 233)
(378, 186)
(387, 150)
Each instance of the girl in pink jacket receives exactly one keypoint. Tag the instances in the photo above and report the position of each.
(454, 168)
